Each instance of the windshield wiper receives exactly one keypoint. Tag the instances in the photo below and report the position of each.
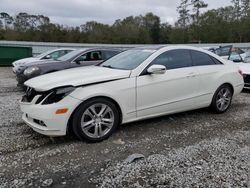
(108, 66)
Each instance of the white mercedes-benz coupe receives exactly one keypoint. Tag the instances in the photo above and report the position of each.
(136, 84)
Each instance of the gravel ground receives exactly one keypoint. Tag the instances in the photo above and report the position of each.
(191, 149)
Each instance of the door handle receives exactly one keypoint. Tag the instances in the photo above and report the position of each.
(191, 74)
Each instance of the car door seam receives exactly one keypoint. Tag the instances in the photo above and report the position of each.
(172, 102)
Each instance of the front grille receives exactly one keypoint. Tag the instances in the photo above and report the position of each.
(29, 95)
(246, 78)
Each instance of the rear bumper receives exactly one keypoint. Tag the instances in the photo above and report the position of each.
(246, 81)
(238, 89)
(44, 120)
(247, 86)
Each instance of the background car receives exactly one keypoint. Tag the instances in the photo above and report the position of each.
(76, 58)
(136, 84)
(226, 51)
(51, 54)
(244, 66)
(247, 58)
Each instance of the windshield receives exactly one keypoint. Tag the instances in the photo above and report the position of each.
(128, 60)
(44, 54)
(69, 55)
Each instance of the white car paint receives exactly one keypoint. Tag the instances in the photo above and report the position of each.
(245, 67)
(139, 97)
(76, 76)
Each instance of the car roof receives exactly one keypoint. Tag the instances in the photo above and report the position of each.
(151, 47)
(57, 49)
(98, 48)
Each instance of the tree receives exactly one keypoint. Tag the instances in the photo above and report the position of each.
(245, 8)
(165, 32)
(197, 6)
(152, 23)
(130, 30)
(237, 8)
(96, 32)
(24, 21)
(184, 15)
(226, 13)
(211, 26)
(6, 20)
(195, 27)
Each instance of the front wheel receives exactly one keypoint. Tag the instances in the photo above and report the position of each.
(222, 99)
(95, 120)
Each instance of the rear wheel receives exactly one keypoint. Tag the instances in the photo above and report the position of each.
(95, 120)
(222, 99)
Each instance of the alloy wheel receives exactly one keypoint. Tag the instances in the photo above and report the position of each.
(223, 99)
(97, 120)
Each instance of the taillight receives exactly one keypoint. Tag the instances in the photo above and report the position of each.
(241, 72)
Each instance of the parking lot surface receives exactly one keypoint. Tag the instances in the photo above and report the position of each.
(191, 149)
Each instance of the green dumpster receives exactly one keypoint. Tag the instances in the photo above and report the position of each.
(8, 54)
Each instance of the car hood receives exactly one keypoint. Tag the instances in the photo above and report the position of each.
(245, 67)
(41, 62)
(22, 62)
(76, 77)
(37, 62)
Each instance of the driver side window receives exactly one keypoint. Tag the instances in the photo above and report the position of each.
(174, 59)
(90, 56)
(82, 58)
(55, 55)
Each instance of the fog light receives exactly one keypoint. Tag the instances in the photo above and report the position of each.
(61, 111)
(39, 122)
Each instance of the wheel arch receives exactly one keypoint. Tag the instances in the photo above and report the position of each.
(230, 85)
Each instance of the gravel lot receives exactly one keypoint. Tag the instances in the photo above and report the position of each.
(191, 149)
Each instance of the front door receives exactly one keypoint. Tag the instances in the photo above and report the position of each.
(174, 91)
(90, 58)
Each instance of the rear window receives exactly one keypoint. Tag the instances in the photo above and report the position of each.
(201, 59)
(216, 61)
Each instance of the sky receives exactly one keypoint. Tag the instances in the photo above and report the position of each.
(77, 12)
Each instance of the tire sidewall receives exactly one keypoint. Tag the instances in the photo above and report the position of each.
(76, 122)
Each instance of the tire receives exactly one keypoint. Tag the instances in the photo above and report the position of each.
(222, 99)
(98, 116)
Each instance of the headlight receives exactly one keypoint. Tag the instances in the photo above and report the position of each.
(58, 94)
(31, 70)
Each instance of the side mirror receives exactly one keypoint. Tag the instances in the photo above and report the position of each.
(78, 61)
(157, 69)
(47, 57)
